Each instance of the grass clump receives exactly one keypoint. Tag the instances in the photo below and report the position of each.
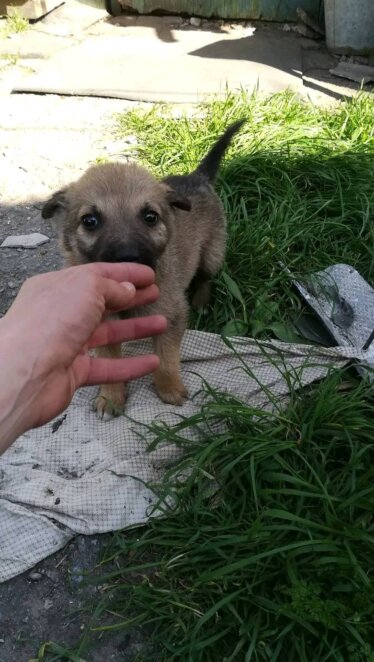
(276, 564)
(13, 24)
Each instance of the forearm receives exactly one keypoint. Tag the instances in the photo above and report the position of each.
(15, 387)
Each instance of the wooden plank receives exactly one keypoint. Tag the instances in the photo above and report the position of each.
(267, 10)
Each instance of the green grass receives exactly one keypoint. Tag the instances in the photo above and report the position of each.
(276, 565)
(13, 24)
(268, 555)
(7, 61)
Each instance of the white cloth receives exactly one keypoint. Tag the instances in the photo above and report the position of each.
(88, 476)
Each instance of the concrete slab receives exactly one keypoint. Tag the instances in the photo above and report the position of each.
(163, 58)
(133, 64)
(51, 144)
(34, 45)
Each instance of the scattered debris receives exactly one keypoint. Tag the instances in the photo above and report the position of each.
(35, 576)
(57, 423)
(195, 21)
(309, 21)
(131, 140)
(344, 302)
(32, 240)
(304, 31)
(360, 73)
(355, 59)
(52, 575)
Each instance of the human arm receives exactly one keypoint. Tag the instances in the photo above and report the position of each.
(46, 335)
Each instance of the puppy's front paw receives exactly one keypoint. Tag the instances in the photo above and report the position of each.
(170, 389)
(110, 402)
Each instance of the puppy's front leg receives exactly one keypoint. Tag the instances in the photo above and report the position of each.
(111, 399)
(167, 379)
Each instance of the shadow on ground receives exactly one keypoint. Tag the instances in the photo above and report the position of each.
(273, 50)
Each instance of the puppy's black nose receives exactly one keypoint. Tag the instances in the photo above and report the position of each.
(121, 255)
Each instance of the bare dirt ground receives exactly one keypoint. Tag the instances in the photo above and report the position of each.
(47, 141)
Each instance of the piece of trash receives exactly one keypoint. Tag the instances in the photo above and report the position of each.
(286, 28)
(57, 423)
(344, 303)
(309, 21)
(32, 240)
(360, 73)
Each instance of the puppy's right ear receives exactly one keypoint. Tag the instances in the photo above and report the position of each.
(55, 204)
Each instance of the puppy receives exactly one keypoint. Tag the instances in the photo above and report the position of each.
(120, 213)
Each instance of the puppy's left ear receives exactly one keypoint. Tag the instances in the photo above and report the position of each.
(55, 204)
(178, 200)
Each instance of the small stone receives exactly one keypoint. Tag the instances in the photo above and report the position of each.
(48, 603)
(2, 641)
(131, 140)
(52, 575)
(25, 240)
(11, 284)
(35, 576)
(195, 21)
(286, 28)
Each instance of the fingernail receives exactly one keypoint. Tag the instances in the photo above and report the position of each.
(129, 287)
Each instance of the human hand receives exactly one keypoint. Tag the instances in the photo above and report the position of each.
(55, 320)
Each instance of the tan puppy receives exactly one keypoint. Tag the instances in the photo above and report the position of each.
(121, 213)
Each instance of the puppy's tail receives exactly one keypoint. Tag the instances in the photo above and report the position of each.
(210, 163)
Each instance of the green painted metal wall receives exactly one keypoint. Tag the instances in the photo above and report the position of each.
(267, 10)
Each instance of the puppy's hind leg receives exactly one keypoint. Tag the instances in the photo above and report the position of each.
(210, 263)
(202, 289)
(167, 379)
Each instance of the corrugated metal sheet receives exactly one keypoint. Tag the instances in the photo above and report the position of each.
(267, 10)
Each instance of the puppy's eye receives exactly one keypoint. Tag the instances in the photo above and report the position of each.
(151, 217)
(90, 221)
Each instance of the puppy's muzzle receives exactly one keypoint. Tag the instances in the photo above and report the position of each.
(128, 253)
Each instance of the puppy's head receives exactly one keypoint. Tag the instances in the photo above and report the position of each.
(115, 213)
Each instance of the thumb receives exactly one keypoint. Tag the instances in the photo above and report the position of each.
(117, 295)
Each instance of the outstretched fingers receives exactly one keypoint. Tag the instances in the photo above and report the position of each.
(106, 371)
(116, 331)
